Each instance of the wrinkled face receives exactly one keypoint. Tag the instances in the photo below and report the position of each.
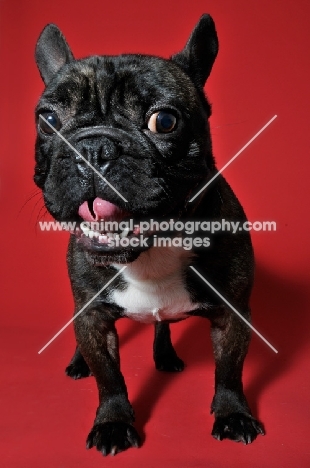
(142, 127)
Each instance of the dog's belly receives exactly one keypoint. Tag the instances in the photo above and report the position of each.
(148, 301)
(155, 287)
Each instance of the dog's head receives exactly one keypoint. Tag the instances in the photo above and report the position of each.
(133, 136)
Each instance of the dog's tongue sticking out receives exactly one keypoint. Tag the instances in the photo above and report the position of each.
(102, 209)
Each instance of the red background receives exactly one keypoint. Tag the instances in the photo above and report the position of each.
(262, 70)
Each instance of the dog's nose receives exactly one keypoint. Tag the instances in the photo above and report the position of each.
(93, 142)
(110, 150)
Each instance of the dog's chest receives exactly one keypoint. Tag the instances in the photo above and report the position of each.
(155, 288)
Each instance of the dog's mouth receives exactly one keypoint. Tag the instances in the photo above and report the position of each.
(106, 229)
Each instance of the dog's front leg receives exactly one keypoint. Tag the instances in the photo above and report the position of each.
(233, 419)
(98, 342)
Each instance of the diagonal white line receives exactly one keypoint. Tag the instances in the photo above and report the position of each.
(234, 310)
(84, 159)
(233, 158)
(83, 308)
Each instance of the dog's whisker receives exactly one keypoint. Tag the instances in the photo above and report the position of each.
(35, 207)
(41, 215)
(37, 193)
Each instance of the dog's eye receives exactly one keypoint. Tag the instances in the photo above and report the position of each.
(162, 122)
(52, 119)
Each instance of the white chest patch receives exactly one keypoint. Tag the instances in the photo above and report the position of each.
(155, 286)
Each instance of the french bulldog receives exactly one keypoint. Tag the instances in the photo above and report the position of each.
(128, 138)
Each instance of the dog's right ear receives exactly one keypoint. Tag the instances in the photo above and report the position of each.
(52, 52)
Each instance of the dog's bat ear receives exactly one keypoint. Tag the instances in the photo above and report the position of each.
(52, 52)
(198, 56)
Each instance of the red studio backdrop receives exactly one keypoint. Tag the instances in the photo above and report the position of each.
(262, 70)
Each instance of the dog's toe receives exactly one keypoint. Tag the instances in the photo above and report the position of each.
(113, 437)
(78, 370)
(238, 427)
(171, 363)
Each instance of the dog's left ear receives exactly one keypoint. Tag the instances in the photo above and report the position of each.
(52, 52)
(198, 56)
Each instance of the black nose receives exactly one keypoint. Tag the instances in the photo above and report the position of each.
(110, 150)
(93, 141)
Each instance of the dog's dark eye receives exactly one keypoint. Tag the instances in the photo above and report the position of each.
(162, 122)
(52, 119)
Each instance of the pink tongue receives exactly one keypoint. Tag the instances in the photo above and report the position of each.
(102, 209)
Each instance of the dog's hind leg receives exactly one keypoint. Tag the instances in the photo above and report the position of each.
(233, 419)
(165, 357)
(78, 368)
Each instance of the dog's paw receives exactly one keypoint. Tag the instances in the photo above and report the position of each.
(171, 363)
(113, 437)
(78, 370)
(238, 427)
